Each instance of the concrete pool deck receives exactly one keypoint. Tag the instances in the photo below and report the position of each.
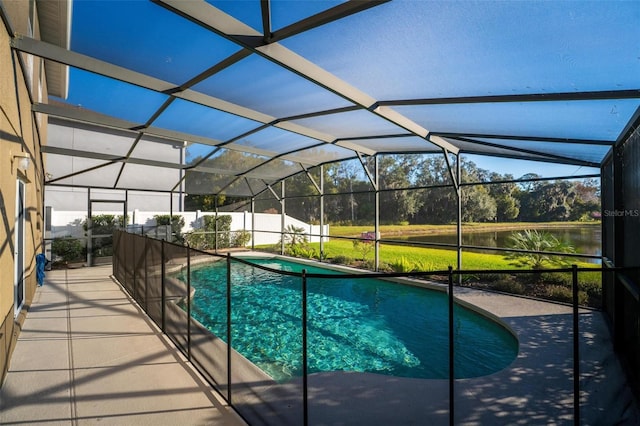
(87, 354)
(536, 389)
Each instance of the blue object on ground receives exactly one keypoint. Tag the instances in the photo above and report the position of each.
(41, 261)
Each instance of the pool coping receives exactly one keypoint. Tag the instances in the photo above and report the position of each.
(536, 388)
(521, 393)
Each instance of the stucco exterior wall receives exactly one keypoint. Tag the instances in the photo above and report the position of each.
(21, 80)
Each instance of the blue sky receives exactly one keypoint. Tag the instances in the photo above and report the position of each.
(517, 168)
(468, 48)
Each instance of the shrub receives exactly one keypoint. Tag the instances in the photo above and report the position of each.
(541, 243)
(342, 260)
(369, 264)
(559, 278)
(401, 265)
(197, 240)
(364, 247)
(69, 249)
(103, 224)
(176, 222)
(384, 267)
(424, 266)
(240, 238)
(564, 294)
(208, 238)
(468, 279)
(592, 287)
(296, 243)
(509, 286)
(302, 251)
(221, 224)
(495, 277)
(589, 283)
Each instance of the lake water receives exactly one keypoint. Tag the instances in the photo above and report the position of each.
(586, 240)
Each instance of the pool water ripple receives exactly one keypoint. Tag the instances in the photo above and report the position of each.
(353, 324)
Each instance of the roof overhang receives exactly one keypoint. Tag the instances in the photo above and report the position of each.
(55, 28)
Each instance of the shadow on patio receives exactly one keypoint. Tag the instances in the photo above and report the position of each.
(87, 353)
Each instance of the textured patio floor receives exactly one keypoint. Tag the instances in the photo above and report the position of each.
(536, 389)
(88, 355)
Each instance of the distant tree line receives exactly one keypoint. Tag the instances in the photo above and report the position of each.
(418, 189)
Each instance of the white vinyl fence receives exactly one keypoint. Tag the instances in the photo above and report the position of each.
(267, 226)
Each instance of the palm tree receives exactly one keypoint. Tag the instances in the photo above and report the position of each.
(294, 235)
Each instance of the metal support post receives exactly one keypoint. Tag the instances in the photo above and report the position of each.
(451, 351)
(170, 236)
(576, 347)
(282, 217)
(135, 268)
(229, 328)
(163, 287)
(146, 274)
(188, 303)
(125, 209)
(377, 208)
(89, 242)
(305, 384)
(459, 214)
(253, 223)
(321, 213)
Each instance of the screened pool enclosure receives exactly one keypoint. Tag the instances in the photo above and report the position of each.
(358, 112)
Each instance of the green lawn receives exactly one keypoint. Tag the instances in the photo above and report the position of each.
(437, 259)
(433, 258)
(554, 286)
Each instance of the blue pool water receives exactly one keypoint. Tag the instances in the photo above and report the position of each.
(365, 325)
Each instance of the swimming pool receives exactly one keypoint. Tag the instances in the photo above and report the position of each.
(365, 325)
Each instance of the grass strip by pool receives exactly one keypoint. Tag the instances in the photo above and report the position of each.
(438, 259)
(441, 259)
